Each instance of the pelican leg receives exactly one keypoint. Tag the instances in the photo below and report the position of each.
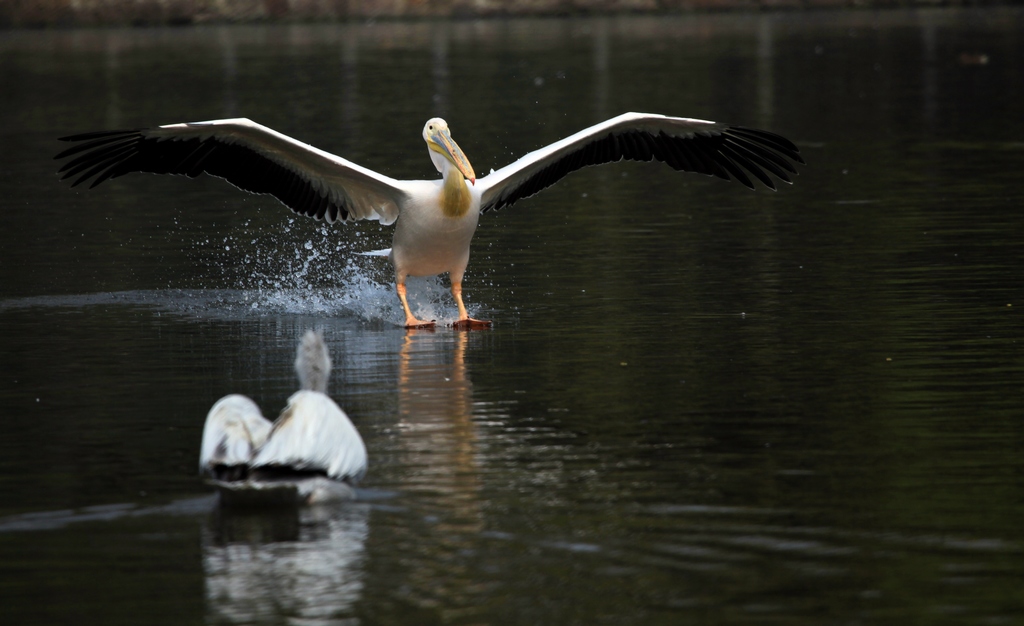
(410, 320)
(465, 321)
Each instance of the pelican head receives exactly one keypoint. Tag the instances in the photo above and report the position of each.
(439, 140)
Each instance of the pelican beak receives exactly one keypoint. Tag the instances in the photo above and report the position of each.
(444, 143)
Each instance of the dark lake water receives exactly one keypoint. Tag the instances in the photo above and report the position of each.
(698, 404)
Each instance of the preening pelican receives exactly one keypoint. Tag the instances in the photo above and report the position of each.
(311, 453)
(436, 218)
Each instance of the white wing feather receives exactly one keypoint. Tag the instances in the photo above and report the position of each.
(365, 193)
(234, 429)
(684, 143)
(531, 163)
(313, 433)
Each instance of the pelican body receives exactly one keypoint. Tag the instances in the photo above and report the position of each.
(311, 453)
(436, 218)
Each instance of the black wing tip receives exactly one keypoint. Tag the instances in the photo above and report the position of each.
(63, 154)
(94, 140)
(782, 147)
(767, 134)
(767, 137)
(98, 134)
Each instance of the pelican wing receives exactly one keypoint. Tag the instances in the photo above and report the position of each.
(313, 433)
(252, 157)
(683, 144)
(234, 429)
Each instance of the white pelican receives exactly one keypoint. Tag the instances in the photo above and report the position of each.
(436, 218)
(311, 453)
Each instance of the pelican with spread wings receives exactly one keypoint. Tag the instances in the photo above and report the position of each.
(436, 218)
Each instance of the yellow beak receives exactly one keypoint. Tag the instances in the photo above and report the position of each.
(442, 142)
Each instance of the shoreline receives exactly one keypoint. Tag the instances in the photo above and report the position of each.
(86, 13)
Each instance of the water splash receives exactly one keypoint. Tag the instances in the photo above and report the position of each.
(296, 268)
(359, 291)
(316, 270)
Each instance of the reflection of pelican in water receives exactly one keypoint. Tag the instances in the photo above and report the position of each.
(296, 566)
(311, 453)
(438, 217)
(439, 437)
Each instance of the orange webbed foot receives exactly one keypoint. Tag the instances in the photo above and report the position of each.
(471, 324)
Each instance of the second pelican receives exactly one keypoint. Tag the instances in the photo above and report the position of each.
(436, 218)
(311, 453)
